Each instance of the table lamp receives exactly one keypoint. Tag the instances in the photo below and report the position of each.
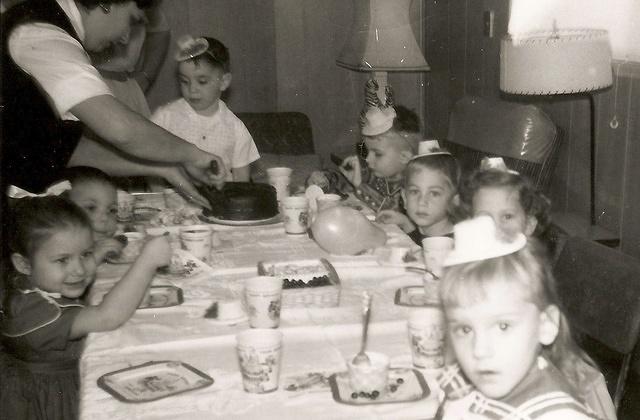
(559, 62)
(381, 40)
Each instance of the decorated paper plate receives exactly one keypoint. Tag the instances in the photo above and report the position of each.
(414, 296)
(271, 220)
(404, 385)
(162, 297)
(153, 380)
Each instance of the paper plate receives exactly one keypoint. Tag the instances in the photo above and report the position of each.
(404, 385)
(153, 380)
(272, 220)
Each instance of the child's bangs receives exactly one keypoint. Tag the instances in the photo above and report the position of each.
(468, 284)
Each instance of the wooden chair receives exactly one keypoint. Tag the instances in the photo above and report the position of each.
(599, 288)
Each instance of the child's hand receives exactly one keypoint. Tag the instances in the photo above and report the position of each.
(320, 179)
(156, 252)
(350, 168)
(396, 218)
(104, 247)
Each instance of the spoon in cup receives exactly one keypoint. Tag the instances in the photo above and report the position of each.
(361, 358)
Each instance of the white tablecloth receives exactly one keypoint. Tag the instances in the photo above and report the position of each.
(315, 340)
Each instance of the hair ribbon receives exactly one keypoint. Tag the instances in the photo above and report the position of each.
(54, 190)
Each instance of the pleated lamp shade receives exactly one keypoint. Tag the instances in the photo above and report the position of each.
(555, 62)
(381, 38)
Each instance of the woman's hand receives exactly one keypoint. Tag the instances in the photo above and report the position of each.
(350, 168)
(180, 180)
(207, 169)
(396, 218)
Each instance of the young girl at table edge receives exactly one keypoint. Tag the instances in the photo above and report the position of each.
(200, 116)
(430, 195)
(43, 319)
(95, 193)
(515, 354)
(512, 200)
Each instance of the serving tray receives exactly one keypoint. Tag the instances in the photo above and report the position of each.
(404, 385)
(153, 380)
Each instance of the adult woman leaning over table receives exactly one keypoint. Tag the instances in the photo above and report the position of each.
(51, 92)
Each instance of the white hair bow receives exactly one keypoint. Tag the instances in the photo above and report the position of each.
(56, 189)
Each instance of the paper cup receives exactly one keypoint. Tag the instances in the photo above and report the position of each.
(435, 249)
(264, 300)
(259, 355)
(135, 241)
(296, 214)
(126, 203)
(280, 178)
(426, 337)
(369, 377)
(327, 201)
(197, 240)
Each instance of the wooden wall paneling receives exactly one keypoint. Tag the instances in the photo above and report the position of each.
(630, 101)
(438, 96)
(559, 112)
(578, 133)
(165, 87)
(474, 74)
(610, 151)
(457, 39)
(246, 28)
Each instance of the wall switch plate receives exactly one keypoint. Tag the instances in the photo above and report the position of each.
(489, 17)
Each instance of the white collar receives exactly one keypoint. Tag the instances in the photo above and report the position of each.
(73, 13)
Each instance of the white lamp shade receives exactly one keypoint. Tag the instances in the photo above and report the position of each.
(381, 38)
(556, 62)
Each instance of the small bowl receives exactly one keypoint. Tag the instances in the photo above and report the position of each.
(370, 377)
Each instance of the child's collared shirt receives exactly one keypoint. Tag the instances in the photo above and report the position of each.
(222, 133)
(543, 394)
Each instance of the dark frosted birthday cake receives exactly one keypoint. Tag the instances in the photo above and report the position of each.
(241, 201)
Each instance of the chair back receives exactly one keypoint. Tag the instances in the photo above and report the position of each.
(284, 133)
(523, 135)
(599, 288)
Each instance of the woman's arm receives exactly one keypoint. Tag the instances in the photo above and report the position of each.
(92, 152)
(135, 135)
(121, 302)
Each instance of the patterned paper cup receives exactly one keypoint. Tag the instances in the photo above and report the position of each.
(259, 354)
(296, 214)
(197, 240)
(426, 337)
(264, 300)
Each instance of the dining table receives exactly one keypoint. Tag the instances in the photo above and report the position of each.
(317, 341)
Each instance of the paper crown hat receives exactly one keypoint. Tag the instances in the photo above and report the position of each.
(376, 117)
(378, 120)
(190, 47)
(478, 239)
(495, 163)
(428, 148)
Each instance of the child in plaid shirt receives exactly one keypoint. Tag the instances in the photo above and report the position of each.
(516, 358)
(391, 136)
